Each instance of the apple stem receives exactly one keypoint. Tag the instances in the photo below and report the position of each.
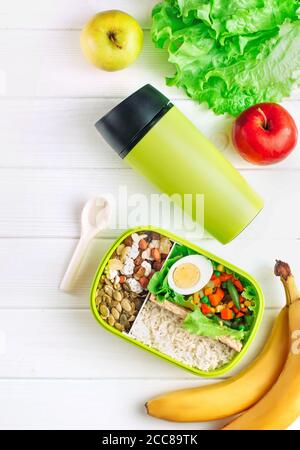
(265, 125)
(112, 37)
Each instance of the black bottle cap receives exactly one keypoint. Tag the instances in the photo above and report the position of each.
(130, 120)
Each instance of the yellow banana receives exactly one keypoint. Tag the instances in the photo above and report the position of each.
(231, 396)
(281, 405)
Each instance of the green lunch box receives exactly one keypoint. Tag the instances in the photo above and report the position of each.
(176, 240)
(159, 142)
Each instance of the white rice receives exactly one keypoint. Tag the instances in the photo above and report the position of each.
(162, 330)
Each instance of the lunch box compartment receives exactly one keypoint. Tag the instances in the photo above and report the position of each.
(147, 306)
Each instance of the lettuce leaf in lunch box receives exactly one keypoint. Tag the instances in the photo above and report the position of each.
(159, 285)
(230, 54)
(197, 323)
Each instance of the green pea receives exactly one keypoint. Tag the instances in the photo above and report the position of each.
(204, 299)
(217, 273)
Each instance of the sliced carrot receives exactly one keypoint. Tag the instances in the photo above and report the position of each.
(235, 310)
(226, 314)
(217, 297)
(214, 299)
(238, 285)
(244, 309)
(217, 282)
(239, 314)
(205, 308)
(208, 291)
(225, 276)
(242, 299)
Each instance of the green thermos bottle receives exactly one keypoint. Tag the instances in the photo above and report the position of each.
(158, 141)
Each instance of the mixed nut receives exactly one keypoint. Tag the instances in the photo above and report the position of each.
(122, 288)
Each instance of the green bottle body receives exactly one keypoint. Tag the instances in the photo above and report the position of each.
(178, 159)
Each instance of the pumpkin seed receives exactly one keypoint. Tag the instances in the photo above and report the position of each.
(111, 320)
(123, 319)
(115, 313)
(126, 305)
(106, 298)
(108, 282)
(108, 290)
(104, 311)
(98, 300)
(119, 327)
(117, 296)
(118, 307)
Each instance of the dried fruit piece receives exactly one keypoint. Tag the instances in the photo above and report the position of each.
(128, 241)
(120, 249)
(165, 245)
(115, 264)
(155, 236)
(134, 285)
(139, 272)
(157, 265)
(128, 267)
(138, 261)
(155, 254)
(147, 254)
(144, 282)
(147, 267)
(134, 251)
(143, 244)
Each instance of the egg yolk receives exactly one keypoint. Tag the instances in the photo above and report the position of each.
(186, 275)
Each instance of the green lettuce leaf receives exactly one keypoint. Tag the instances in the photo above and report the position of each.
(158, 284)
(197, 323)
(230, 54)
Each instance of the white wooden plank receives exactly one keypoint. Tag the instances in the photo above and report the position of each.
(33, 268)
(48, 202)
(71, 344)
(67, 13)
(60, 133)
(51, 64)
(57, 67)
(105, 404)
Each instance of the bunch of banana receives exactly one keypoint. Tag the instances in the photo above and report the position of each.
(275, 364)
(281, 405)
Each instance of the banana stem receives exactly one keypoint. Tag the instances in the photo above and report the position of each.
(283, 271)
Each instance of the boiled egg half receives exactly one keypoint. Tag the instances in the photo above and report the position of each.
(190, 274)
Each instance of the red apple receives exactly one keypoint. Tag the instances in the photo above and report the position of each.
(265, 133)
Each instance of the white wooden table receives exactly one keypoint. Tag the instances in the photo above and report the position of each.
(58, 368)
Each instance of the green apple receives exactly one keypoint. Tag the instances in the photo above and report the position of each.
(112, 40)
